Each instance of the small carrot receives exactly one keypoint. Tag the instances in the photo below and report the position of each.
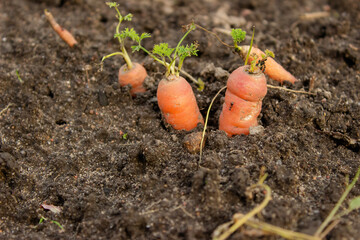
(178, 104)
(175, 96)
(131, 73)
(273, 69)
(134, 77)
(63, 33)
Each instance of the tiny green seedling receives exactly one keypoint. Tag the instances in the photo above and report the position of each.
(131, 73)
(18, 76)
(42, 219)
(125, 136)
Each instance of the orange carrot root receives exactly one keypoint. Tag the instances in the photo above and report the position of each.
(273, 69)
(134, 77)
(177, 103)
(242, 105)
(63, 33)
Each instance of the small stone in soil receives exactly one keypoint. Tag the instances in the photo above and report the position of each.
(256, 130)
(192, 142)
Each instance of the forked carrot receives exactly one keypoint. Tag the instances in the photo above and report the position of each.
(246, 87)
(242, 105)
(63, 33)
(273, 69)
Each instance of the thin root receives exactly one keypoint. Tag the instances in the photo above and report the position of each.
(6, 108)
(290, 90)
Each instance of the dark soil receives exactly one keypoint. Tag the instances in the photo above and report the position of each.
(62, 128)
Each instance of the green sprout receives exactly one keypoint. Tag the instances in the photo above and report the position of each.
(168, 56)
(18, 76)
(42, 219)
(123, 35)
(269, 53)
(58, 224)
(238, 36)
(125, 136)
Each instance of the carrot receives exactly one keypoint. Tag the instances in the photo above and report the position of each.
(246, 87)
(134, 77)
(273, 69)
(131, 73)
(175, 96)
(242, 104)
(63, 33)
(177, 103)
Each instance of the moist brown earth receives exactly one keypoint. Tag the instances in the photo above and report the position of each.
(62, 126)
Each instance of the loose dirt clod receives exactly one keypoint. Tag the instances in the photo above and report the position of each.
(192, 142)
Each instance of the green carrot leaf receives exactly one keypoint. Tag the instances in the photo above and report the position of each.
(145, 35)
(130, 34)
(136, 48)
(188, 51)
(354, 203)
(128, 17)
(117, 35)
(269, 53)
(112, 4)
(163, 50)
(238, 35)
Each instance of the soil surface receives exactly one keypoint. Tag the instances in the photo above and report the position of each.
(71, 137)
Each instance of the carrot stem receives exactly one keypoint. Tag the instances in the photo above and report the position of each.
(166, 65)
(127, 58)
(172, 63)
(125, 55)
(112, 54)
(251, 43)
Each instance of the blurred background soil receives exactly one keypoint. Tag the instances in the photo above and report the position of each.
(62, 122)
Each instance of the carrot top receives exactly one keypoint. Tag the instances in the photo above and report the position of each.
(256, 64)
(122, 35)
(168, 56)
(238, 36)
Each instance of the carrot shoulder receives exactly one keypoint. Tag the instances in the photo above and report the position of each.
(134, 77)
(273, 69)
(177, 103)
